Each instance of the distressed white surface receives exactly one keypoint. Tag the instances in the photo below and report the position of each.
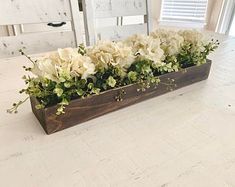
(43, 27)
(30, 30)
(34, 11)
(76, 21)
(185, 138)
(36, 42)
(94, 10)
(116, 33)
(116, 8)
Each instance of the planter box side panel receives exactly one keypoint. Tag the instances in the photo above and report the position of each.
(39, 113)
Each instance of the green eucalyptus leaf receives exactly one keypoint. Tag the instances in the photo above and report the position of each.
(39, 106)
(96, 91)
(64, 102)
(58, 92)
(132, 76)
(90, 86)
(67, 84)
(80, 92)
(111, 81)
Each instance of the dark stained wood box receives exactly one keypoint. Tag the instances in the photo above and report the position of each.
(81, 110)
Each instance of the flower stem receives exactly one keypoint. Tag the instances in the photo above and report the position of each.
(15, 107)
(23, 53)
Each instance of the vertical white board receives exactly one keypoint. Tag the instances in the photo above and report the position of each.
(103, 9)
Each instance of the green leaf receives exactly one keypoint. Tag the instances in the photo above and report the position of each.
(111, 81)
(146, 69)
(64, 102)
(39, 106)
(90, 85)
(96, 91)
(60, 110)
(62, 79)
(104, 86)
(67, 84)
(132, 76)
(81, 83)
(80, 92)
(58, 92)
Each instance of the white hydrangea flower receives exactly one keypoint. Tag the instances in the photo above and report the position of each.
(145, 47)
(67, 54)
(64, 62)
(114, 53)
(195, 38)
(46, 68)
(171, 41)
(82, 66)
(192, 36)
(124, 56)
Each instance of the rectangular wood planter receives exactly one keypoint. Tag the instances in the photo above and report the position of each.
(81, 110)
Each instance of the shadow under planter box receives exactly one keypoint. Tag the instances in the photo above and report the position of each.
(81, 110)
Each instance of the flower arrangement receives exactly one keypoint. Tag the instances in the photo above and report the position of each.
(71, 73)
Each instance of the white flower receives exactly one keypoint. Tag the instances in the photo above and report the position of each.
(111, 53)
(195, 38)
(124, 56)
(46, 68)
(192, 36)
(67, 54)
(145, 47)
(82, 66)
(64, 63)
(171, 41)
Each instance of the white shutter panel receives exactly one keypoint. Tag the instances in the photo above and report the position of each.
(184, 10)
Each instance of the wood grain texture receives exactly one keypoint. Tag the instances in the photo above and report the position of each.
(81, 110)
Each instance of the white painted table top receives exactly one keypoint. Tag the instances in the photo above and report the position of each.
(184, 138)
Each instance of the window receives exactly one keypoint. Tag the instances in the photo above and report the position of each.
(184, 11)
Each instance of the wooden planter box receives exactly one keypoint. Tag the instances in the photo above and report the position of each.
(81, 110)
